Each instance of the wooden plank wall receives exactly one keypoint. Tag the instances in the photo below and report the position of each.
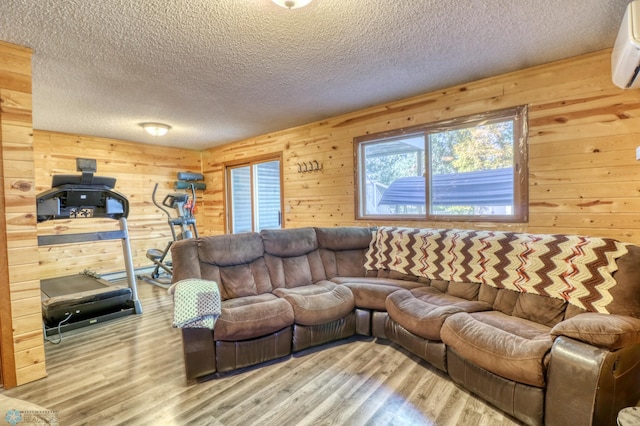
(583, 179)
(22, 345)
(137, 168)
(583, 175)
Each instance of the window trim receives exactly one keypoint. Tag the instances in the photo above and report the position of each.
(519, 115)
(250, 162)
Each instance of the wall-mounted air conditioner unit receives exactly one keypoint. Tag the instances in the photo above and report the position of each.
(625, 58)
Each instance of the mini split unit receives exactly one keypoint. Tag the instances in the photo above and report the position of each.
(625, 58)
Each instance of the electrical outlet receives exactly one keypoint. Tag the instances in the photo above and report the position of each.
(638, 153)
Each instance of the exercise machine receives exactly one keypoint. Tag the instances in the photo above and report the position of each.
(77, 301)
(183, 225)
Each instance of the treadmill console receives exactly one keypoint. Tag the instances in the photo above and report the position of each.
(80, 201)
(81, 196)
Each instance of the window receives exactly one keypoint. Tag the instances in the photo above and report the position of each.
(466, 169)
(254, 196)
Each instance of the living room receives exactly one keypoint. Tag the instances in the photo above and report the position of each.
(582, 139)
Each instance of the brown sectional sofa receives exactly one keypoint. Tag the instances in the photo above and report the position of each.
(540, 359)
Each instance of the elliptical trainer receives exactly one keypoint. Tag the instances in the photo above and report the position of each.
(184, 205)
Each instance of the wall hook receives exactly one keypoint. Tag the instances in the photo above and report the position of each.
(309, 166)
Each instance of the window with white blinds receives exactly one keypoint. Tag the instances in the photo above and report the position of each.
(241, 200)
(254, 196)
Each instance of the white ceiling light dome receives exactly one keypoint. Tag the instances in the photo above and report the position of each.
(156, 129)
(292, 4)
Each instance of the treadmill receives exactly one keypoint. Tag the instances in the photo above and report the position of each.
(80, 300)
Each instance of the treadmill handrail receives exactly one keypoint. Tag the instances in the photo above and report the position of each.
(48, 240)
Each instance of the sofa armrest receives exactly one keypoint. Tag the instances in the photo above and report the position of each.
(199, 352)
(185, 259)
(611, 332)
(587, 385)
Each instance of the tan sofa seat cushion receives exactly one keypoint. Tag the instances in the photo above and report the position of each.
(511, 347)
(372, 292)
(423, 310)
(318, 303)
(252, 316)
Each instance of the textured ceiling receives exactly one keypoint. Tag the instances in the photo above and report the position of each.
(223, 70)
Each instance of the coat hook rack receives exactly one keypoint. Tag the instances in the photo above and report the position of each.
(309, 166)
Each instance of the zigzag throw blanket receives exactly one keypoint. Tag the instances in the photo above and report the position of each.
(574, 268)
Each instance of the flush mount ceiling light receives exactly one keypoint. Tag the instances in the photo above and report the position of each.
(292, 4)
(156, 129)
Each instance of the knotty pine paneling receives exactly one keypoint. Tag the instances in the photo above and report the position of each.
(583, 131)
(137, 168)
(582, 138)
(22, 345)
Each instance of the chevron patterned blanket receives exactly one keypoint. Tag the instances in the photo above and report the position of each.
(577, 269)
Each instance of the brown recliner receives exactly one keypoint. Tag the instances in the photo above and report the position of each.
(255, 325)
(323, 311)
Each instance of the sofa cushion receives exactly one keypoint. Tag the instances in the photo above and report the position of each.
(488, 294)
(612, 332)
(423, 310)
(345, 238)
(625, 292)
(230, 250)
(441, 285)
(252, 316)
(319, 303)
(244, 280)
(371, 293)
(505, 300)
(186, 263)
(386, 273)
(571, 311)
(292, 257)
(541, 309)
(290, 272)
(289, 242)
(511, 347)
(235, 262)
(343, 263)
(468, 291)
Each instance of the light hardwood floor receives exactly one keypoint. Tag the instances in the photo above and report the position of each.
(130, 371)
